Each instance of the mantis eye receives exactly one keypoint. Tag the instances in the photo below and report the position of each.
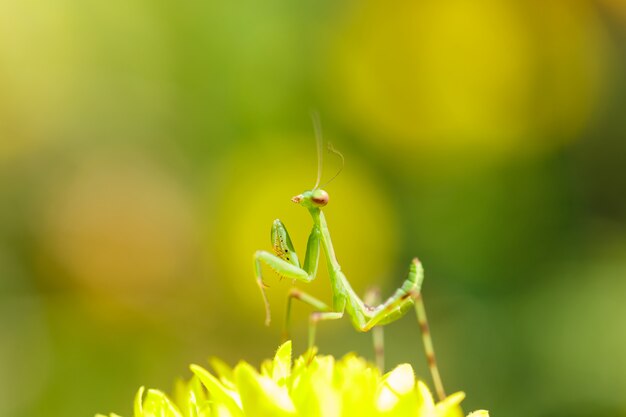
(320, 198)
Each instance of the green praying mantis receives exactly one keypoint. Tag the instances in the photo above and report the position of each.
(364, 317)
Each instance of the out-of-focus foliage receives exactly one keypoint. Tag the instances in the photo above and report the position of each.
(146, 146)
(313, 386)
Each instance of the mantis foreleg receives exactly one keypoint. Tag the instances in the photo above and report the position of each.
(285, 260)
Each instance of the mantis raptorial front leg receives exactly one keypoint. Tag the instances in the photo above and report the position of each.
(285, 260)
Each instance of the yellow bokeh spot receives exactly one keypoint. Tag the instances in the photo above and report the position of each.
(486, 77)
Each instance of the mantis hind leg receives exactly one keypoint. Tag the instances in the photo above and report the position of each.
(415, 299)
(428, 345)
(372, 297)
(397, 305)
(401, 300)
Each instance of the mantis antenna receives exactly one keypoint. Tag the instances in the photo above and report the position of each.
(332, 149)
(317, 126)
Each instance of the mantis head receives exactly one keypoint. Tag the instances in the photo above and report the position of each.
(315, 198)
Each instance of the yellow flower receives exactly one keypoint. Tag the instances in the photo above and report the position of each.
(312, 386)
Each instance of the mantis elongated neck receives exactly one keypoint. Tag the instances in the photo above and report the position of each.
(320, 221)
(342, 291)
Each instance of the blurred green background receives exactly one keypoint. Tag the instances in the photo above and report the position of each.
(146, 147)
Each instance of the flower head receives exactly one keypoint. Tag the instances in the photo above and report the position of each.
(311, 386)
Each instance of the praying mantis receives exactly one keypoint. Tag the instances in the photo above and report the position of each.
(284, 261)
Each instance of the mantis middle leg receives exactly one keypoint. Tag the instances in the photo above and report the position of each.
(323, 312)
(295, 293)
